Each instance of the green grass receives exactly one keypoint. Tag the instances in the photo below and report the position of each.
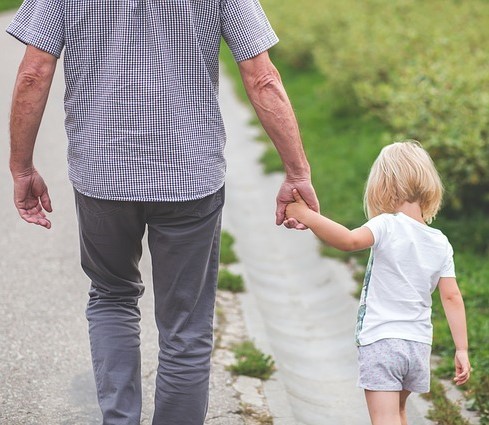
(341, 142)
(444, 412)
(227, 254)
(9, 4)
(228, 281)
(250, 361)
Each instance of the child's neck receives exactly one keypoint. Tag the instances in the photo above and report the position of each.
(413, 210)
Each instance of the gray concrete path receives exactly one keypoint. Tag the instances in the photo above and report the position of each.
(45, 370)
(298, 307)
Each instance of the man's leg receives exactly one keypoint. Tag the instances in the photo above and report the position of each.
(184, 244)
(110, 244)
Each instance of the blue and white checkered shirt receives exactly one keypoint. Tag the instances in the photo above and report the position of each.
(142, 114)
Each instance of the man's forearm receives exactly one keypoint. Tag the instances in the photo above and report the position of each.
(28, 102)
(274, 110)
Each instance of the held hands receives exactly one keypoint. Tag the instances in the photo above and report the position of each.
(462, 367)
(295, 212)
(31, 198)
(285, 197)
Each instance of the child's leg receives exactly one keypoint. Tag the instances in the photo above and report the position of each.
(402, 406)
(384, 407)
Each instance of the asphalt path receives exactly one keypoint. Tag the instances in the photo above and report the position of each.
(45, 370)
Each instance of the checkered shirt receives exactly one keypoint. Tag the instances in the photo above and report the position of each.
(141, 100)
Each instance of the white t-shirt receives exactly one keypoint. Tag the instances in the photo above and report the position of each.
(406, 262)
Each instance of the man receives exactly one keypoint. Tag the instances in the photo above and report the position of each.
(145, 151)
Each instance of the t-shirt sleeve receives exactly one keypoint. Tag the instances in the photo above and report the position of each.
(448, 269)
(246, 29)
(378, 227)
(40, 23)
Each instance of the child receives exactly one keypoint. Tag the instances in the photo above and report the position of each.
(408, 261)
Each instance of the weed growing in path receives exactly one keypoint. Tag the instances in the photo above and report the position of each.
(252, 362)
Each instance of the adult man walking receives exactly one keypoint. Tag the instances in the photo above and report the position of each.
(145, 151)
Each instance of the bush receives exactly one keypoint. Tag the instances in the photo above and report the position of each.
(419, 66)
(10, 4)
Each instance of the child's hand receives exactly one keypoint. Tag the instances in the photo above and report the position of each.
(462, 367)
(295, 210)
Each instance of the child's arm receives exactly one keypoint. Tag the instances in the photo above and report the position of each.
(453, 304)
(327, 230)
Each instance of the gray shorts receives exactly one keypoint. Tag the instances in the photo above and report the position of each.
(394, 365)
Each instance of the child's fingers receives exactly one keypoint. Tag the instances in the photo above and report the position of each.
(297, 196)
(462, 375)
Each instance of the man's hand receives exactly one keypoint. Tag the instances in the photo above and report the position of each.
(272, 105)
(285, 196)
(31, 198)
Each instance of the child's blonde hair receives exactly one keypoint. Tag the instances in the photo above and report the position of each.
(402, 172)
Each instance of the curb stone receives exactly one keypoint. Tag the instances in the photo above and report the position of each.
(234, 400)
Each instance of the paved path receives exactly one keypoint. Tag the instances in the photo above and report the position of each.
(298, 307)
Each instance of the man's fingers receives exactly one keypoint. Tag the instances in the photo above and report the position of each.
(35, 215)
(280, 214)
(46, 201)
(36, 219)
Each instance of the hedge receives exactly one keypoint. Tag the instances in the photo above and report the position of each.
(421, 67)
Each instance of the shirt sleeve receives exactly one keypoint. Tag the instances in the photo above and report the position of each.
(378, 227)
(40, 23)
(246, 29)
(448, 269)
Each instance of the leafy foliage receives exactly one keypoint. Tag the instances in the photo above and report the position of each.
(419, 66)
(9, 4)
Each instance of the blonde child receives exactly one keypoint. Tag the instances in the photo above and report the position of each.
(408, 261)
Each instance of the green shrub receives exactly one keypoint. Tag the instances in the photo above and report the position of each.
(252, 362)
(419, 66)
(228, 281)
(9, 4)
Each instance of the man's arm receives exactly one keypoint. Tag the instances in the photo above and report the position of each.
(29, 99)
(267, 95)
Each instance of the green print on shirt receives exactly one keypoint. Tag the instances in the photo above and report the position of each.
(363, 298)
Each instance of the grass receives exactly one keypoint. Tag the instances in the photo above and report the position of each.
(228, 281)
(227, 255)
(341, 143)
(444, 412)
(9, 4)
(252, 362)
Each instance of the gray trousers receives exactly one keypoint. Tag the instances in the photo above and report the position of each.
(183, 239)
